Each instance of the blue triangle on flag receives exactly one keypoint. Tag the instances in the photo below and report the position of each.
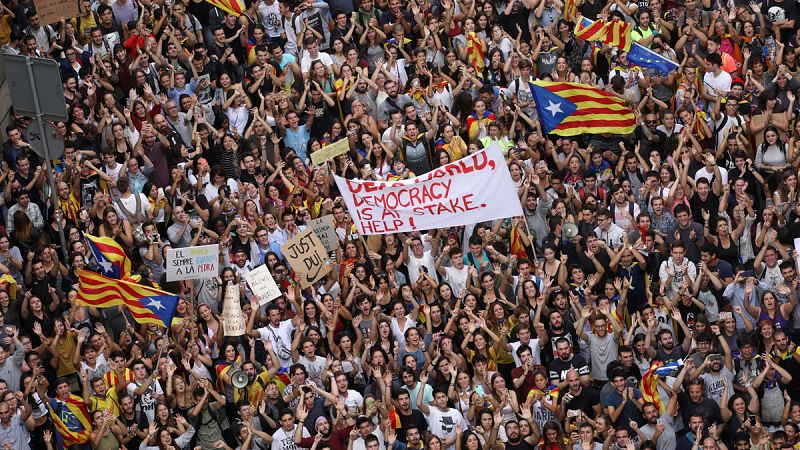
(552, 108)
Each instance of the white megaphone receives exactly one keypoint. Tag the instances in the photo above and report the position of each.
(569, 230)
(239, 379)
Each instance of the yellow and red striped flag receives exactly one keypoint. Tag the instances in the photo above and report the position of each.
(570, 9)
(475, 51)
(570, 109)
(71, 431)
(235, 7)
(146, 304)
(619, 35)
(616, 33)
(650, 387)
(591, 31)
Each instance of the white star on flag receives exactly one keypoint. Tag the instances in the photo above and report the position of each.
(554, 108)
(156, 304)
(106, 264)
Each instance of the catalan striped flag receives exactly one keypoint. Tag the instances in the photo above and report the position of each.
(570, 109)
(619, 35)
(650, 387)
(110, 257)
(475, 51)
(71, 419)
(394, 419)
(591, 31)
(112, 379)
(281, 379)
(146, 304)
(550, 391)
(570, 9)
(235, 7)
(616, 33)
(223, 368)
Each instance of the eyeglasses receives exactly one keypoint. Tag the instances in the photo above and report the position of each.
(651, 121)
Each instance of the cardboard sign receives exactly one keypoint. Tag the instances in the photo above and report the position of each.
(263, 285)
(797, 247)
(476, 188)
(326, 232)
(234, 323)
(192, 263)
(51, 11)
(308, 257)
(329, 152)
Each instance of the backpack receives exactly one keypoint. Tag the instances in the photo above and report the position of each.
(136, 219)
(613, 207)
(78, 21)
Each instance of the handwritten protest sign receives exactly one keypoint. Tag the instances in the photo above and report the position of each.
(797, 247)
(474, 189)
(191, 263)
(326, 232)
(329, 152)
(51, 11)
(262, 284)
(234, 324)
(308, 257)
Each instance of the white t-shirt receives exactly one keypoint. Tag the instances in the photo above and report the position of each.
(281, 338)
(305, 63)
(146, 402)
(354, 401)
(358, 444)
(282, 440)
(536, 351)
(721, 82)
(457, 278)
(130, 205)
(442, 424)
(613, 237)
(704, 173)
(427, 260)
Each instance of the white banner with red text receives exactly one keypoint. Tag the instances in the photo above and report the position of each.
(474, 189)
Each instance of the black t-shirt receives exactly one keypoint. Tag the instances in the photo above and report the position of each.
(689, 313)
(559, 368)
(517, 18)
(521, 445)
(793, 367)
(415, 418)
(584, 401)
(707, 408)
(267, 87)
(710, 204)
(781, 10)
(141, 420)
(549, 350)
(591, 10)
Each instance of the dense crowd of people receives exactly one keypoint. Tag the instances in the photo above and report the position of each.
(645, 300)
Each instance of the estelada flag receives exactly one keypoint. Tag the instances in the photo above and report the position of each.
(570, 109)
(235, 7)
(111, 259)
(146, 304)
(71, 419)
